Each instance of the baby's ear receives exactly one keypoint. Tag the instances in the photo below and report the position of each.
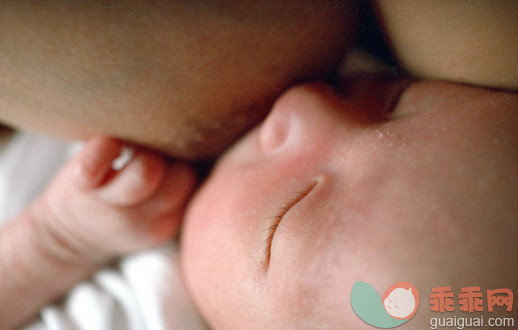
(92, 165)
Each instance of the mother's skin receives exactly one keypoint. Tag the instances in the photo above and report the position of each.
(185, 77)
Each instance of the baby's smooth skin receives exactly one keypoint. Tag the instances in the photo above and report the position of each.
(334, 189)
(88, 215)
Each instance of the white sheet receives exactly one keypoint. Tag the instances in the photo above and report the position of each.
(143, 291)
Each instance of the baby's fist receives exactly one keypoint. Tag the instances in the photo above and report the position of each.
(93, 212)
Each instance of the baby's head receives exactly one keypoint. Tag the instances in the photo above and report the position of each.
(333, 189)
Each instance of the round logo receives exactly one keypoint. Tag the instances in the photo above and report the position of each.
(397, 306)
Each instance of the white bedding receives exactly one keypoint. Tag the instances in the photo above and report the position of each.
(143, 291)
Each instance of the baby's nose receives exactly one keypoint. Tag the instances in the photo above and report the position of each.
(307, 117)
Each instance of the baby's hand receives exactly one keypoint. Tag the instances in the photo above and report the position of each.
(91, 212)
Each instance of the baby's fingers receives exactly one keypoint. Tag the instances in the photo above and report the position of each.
(158, 218)
(93, 163)
(136, 181)
(178, 183)
(166, 207)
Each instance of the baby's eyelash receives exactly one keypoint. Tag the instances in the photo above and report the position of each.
(276, 219)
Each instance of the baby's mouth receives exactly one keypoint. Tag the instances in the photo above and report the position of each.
(275, 220)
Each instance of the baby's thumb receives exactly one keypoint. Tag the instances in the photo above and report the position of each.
(137, 181)
(93, 163)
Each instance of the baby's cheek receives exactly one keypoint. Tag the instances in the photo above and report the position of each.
(212, 263)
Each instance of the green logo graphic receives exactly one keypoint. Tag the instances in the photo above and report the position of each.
(397, 306)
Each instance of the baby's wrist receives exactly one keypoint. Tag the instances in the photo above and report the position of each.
(56, 242)
(36, 267)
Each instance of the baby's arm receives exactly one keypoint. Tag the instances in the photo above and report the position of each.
(88, 215)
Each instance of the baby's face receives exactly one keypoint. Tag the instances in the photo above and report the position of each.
(331, 190)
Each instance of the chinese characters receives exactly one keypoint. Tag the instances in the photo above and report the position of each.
(470, 299)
